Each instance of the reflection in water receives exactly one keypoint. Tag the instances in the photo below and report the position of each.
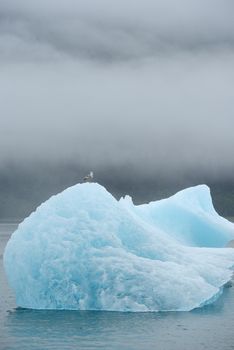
(114, 330)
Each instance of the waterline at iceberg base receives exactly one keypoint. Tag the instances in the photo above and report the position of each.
(84, 250)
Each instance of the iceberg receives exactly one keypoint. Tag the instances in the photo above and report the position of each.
(84, 250)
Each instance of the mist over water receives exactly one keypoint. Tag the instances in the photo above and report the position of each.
(140, 93)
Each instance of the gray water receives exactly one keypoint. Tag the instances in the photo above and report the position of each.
(211, 327)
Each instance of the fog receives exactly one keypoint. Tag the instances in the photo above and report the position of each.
(141, 93)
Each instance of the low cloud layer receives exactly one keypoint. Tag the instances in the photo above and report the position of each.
(146, 86)
(110, 31)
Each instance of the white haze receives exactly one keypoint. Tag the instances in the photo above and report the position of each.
(146, 83)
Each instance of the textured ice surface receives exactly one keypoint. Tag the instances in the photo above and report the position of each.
(83, 249)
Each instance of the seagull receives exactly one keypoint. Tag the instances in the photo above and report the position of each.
(89, 177)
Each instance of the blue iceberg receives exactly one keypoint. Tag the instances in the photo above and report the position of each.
(84, 250)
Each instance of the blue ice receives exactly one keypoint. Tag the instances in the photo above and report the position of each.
(84, 250)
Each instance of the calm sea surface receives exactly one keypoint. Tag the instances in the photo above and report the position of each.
(211, 327)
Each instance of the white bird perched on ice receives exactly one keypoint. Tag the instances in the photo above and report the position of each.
(89, 177)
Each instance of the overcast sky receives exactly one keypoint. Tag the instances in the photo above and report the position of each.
(106, 84)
